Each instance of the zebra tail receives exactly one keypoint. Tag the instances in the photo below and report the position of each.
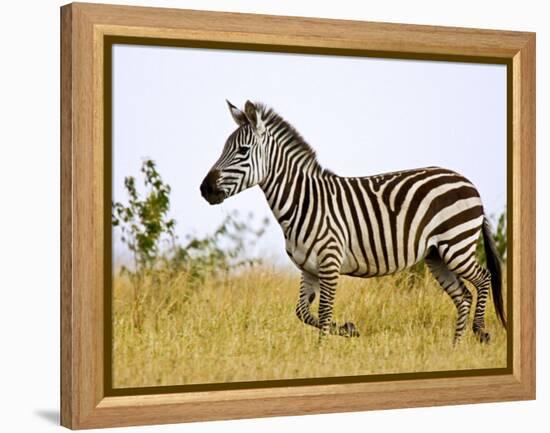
(494, 266)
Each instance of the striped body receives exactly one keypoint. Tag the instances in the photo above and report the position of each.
(383, 223)
(358, 226)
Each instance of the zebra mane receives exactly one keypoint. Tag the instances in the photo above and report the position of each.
(273, 119)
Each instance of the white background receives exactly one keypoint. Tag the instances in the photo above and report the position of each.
(363, 116)
(29, 217)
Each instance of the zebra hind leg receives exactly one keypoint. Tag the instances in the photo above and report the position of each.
(455, 288)
(309, 287)
(481, 279)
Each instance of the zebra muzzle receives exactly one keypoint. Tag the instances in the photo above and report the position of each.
(209, 189)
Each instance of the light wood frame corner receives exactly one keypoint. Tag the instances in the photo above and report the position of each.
(84, 29)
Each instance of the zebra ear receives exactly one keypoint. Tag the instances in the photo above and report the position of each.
(238, 116)
(251, 113)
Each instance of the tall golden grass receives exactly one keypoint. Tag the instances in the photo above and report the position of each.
(243, 328)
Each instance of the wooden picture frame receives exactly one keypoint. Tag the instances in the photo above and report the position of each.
(87, 32)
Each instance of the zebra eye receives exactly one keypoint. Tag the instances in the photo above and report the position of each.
(243, 150)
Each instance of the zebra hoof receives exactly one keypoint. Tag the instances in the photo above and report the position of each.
(484, 337)
(349, 330)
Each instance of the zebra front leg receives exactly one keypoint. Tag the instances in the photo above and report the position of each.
(329, 275)
(328, 281)
(309, 287)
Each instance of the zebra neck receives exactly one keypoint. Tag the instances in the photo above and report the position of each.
(291, 163)
(283, 187)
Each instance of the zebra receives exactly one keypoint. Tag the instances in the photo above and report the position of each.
(359, 226)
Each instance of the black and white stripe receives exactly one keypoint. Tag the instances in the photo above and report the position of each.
(359, 226)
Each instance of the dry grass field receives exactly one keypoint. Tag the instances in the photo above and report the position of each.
(244, 328)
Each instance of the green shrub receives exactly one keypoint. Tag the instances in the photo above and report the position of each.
(144, 222)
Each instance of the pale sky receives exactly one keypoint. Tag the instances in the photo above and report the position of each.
(363, 116)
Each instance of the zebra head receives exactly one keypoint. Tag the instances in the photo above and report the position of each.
(241, 164)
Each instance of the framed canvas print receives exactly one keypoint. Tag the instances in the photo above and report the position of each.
(268, 216)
